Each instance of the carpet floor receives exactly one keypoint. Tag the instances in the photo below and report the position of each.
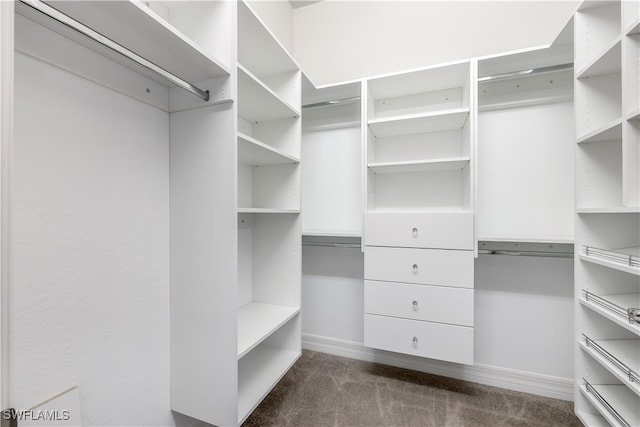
(326, 390)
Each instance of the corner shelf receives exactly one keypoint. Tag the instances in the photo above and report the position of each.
(610, 132)
(608, 62)
(132, 24)
(455, 163)
(625, 412)
(257, 321)
(612, 307)
(620, 357)
(257, 102)
(257, 153)
(420, 123)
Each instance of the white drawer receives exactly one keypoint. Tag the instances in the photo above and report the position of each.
(419, 302)
(424, 266)
(433, 340)
(442, 230)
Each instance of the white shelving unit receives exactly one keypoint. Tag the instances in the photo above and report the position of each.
(607, 262)
(419, 155)
(268, 197)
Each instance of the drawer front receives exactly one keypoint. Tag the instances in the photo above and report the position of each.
(425, 339)
(420, 230)
(422, 266)
(419, 302)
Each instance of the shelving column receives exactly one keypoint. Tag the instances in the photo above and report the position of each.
(268, 207)
(419, 231)
(607, 262)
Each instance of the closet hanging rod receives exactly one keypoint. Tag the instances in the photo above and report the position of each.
(525, 253)
(529, 72)
(79, 27)
(332, 102)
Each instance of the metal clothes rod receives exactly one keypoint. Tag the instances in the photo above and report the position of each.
(332, 102)
(529, 72)
(333, 245)
(526, 253)
(110, 44)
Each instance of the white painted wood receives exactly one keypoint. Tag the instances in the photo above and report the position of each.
(631, 163)
(624, 402)
(589, 419)
(611, 264)
(630, 17)
(332, 181)
(425, 339)
(600, 102)
(595, 30)
(631, 74)
(556, 54)
(630, 209)
(420, 123)
(606, 63)
(444, 230)
(432, 145)
(599, 168)
(526, 180)
(609, 132)
(141, 30)
(267, 211)
(410, 166)
(256, 153)
(203, 295)
(419, 302)
(629, 300)
(626, 352)
(257, 102)
(425, 266)
(257, 321)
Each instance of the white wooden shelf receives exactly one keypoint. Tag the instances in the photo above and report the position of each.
(620, 302)
(624, 259)
(455, 163)
(560, 240)
(331, 233)
(257, 321)
(609, 61)
(420, 123)
(592, 420)
(257, 153)
(634, 115)
(268, 211)
(620, 357)
(258, 372)
(135, 26)
(607, 210)
(610, 132)
(634, 28)
(258, 48)
(619, 398)
(257, 102)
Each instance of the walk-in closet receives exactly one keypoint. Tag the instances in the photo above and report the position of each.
(242, 212)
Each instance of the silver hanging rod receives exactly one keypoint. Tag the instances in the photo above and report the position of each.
(525, 253)
(332, 102)
(110, 44)
(528, 72)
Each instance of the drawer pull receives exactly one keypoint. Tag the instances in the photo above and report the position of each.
(414, 232)
(415, 268)
(415, 304)
(415, 341)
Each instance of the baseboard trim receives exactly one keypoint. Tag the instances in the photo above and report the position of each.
(527, 382)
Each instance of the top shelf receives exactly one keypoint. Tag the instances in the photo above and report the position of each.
(136, 27)
(258, 50)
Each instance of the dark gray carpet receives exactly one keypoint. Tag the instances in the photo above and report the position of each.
(326, 390)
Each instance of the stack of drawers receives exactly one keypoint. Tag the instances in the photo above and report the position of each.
(418, 296)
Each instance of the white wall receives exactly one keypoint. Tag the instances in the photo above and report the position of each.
(336, 41)
(90, 248)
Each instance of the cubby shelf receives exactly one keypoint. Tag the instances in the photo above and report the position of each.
(420, 123)
(455, 163)
(257, 153)
(134, 25)
(257, 102)
(257, 321)
(259, 371)
(612, 307)
(609, 61)
(610, 132)
(613, 401)
(620, 357)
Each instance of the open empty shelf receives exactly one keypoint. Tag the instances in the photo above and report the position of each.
(609, 132)
(624, 259)
(420, 123)
(621, 357)
(257, 102)
(257, 153)
(616, 403)
(419, 165)
(615, 307)
(606, 63)
(256, 321)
